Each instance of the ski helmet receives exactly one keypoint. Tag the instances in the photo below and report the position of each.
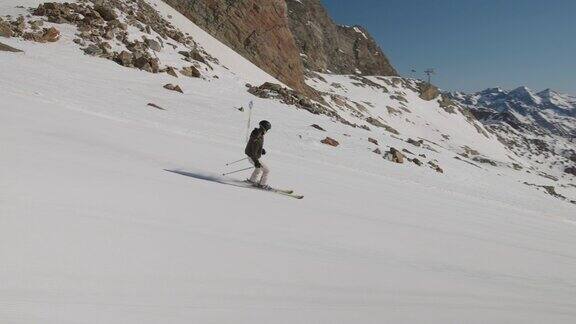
(266, 125)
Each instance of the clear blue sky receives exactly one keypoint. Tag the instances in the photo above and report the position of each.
(473, 44)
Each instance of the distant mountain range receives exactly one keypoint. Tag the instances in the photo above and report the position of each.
(539, 125)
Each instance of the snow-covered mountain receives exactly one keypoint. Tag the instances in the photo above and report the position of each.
(117, 119)
(540, 126)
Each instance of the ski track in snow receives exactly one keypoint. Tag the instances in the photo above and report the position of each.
(94, 230)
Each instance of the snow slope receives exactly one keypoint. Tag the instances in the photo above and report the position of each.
(93, 229)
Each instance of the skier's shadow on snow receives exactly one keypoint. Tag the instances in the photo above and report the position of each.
(199, 176)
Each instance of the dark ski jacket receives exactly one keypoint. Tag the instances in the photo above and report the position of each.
(255, 144)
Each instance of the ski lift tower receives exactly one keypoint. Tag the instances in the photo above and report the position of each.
(429, 73)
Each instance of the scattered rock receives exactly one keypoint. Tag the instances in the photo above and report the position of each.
(571, 170)
(107, 13)
(377, 123)
(484, 160)
(172, 71)
(435, 167)
(407, 151)
(51, 35)
(287, 96)
(318, 127)
(195, 55)
(125, 58)
(415, 143)
(6, 48)
(5, 30)
(154, 45)
(377, 151)
(173, 87)
(155, 106)
(394, 155)
(330, 141)
(190, 71)
(99, 25)
(36, 24)
(551, 190)
(372, 140)
(447, 104)
(147, 64)
(417, 162)
(93, 50)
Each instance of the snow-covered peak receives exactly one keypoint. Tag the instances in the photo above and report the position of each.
(556, 100)
(525, 95)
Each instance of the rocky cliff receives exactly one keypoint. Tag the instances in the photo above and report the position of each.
(258, 30)
(283, 37)
(331, 48)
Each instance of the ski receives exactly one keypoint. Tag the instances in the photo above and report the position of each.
(284, 192)
(238, 183)
(287, 193)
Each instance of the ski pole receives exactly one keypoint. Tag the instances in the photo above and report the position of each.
(250, 105)
(225, 174)
(230, 163)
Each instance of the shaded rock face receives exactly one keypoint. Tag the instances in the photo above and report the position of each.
(258, 30)
(327, 47)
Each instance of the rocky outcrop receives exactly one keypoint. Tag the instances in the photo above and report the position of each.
(99, 26)
(428, 92)
(288, 96)
(330, 48)
(258, 30)
(282, 37)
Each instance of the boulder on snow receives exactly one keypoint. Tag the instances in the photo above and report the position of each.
(394, 155)
(330, 141)
(435, 167)
(173, 87)
(190, 71)
(7, 48)
(416, 161)
(151, 104)
(375, 122)
(171, 71)
(377, 151)
(415, 143)
(373, 140)
(51, 35)
(318, 127)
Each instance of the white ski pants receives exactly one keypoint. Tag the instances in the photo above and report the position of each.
(264, 169)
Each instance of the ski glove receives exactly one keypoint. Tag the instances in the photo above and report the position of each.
(257, 164)
(263, 152)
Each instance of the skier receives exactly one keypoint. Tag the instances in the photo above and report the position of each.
(254, 150)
